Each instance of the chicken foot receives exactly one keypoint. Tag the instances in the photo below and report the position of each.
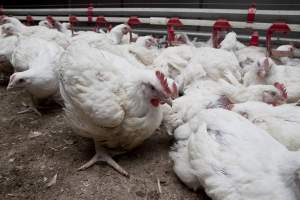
(103, 156)
(30, 109)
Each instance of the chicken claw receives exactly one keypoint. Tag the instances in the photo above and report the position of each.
(102, 155)
(30, 109)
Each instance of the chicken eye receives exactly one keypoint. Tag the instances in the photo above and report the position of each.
(21, 80)
(273, 93)
(152, 87)
(244, 114)
(258, 64)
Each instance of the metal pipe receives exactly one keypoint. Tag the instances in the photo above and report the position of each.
(187, 22)
(154, 11)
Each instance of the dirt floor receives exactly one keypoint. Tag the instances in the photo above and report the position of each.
(34, 149)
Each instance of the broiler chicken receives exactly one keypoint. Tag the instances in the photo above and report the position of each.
(144, 49)
(13, 26)
(230, 43)
(110, 101)
(111, 42)
(46, 24)
(216, 62)
(270, 94)
(182, 39)
(126, 38)
(38, 72)
(282, 122)
(26, 50)
(232, 159)
(205, 93)
(249, 55)
(140, 53)
(99, 40)
(172, 60)
(267, 72)
(7, 46)
(294, 53)
(63, 27)
(194, 80)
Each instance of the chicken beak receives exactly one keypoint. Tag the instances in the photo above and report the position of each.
(261, 73)
(167, 101)
(281, 101)
(127, 30)
(153, 42)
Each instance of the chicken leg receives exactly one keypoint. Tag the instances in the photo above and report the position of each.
(30, 109)
(103, 155)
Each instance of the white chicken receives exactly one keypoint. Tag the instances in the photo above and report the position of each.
(28, 49)
(100, 39)
(45, 23)
(264, 93)
(63, 27)
(172, 60)
(139, 53)
(144, 50)
(249, 55)
(111, 42)
(7, 45)
(126, 38)
(216, 62)
(267, 72)
(287, 60)
(194, 80)
(230, 42)
(233, 159)
(14, 27)
(182, 39)
(270, 94)
(111, 101)
(36, 70)
(206, 93)
(281, 122)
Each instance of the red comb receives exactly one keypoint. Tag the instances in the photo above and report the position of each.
(163, 81)
(282, 88)
(50, 19)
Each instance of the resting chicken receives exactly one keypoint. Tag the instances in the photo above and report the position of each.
(233, 159)
(267, 72)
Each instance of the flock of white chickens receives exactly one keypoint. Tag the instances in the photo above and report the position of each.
(232, 111)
